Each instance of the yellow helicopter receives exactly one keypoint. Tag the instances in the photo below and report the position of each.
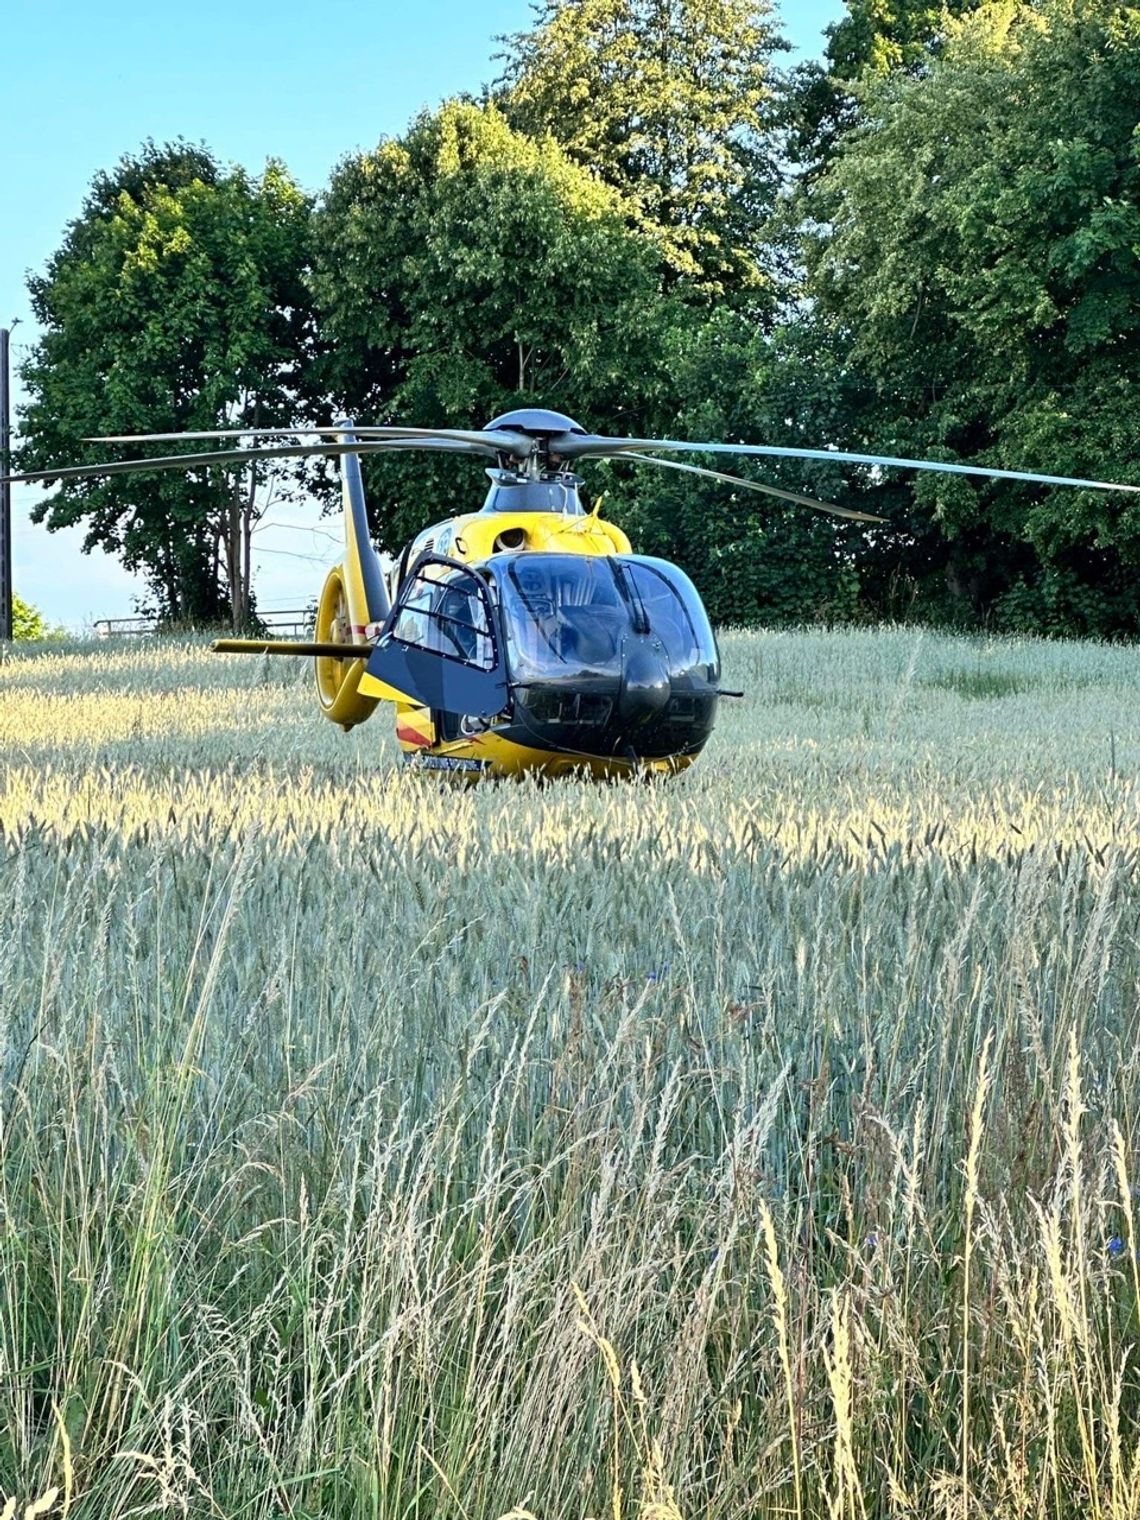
(526, 636)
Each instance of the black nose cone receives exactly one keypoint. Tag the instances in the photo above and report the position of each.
(645, 685)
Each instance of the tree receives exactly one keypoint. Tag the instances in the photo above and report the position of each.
(28, 623)
(753, 558)
(465, 269)
(875, 38)
(670, 102)
(176, 302)
(978, 251)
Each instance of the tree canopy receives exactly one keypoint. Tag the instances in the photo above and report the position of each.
(670, 102)
(176, 301)
(28, 622)
(465, 269)
(976, 246)
(873, 40)
(879, 36)
(929, 244)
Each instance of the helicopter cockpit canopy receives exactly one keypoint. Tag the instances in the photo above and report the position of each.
(629, 629)
(569, 615)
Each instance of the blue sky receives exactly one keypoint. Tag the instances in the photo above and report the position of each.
(308, 84)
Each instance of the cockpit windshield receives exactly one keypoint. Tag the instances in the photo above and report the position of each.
(564, 614)
(569, 614)
(674, 612)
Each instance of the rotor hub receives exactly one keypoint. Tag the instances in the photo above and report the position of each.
(537, 421)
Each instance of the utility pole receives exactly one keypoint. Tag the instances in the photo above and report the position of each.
(5, 495)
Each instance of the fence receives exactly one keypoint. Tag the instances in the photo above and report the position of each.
(288, 622)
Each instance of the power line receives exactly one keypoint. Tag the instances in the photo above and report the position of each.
(312, 559)
(296, 528)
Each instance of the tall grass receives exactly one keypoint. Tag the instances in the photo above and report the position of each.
(761, 1142)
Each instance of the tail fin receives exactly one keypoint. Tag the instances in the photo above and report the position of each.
(354, 593)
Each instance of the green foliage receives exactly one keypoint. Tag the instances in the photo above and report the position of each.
(978, 258)
(875, 38)
(466, 269)
(175, 302)
(753, 558)
(878, 36)
(28, 622)
(670, 102)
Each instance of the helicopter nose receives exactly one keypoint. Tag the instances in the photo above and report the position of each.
(645, 685)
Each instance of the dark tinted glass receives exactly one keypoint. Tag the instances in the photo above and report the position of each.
(564, 615)
(569, 614)
(676, 613)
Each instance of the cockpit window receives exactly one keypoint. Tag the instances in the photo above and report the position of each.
(674, 611)
(443, 611)
(569, 614)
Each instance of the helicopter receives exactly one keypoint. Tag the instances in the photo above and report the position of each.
(526, 636)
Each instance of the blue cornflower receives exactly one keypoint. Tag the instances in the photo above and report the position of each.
(1115, 1246)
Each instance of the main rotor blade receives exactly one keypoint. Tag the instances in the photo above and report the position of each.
(237, 456)
(749, 485)
(504, 442)
(573, 446)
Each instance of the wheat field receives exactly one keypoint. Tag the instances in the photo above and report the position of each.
(756, 1143)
